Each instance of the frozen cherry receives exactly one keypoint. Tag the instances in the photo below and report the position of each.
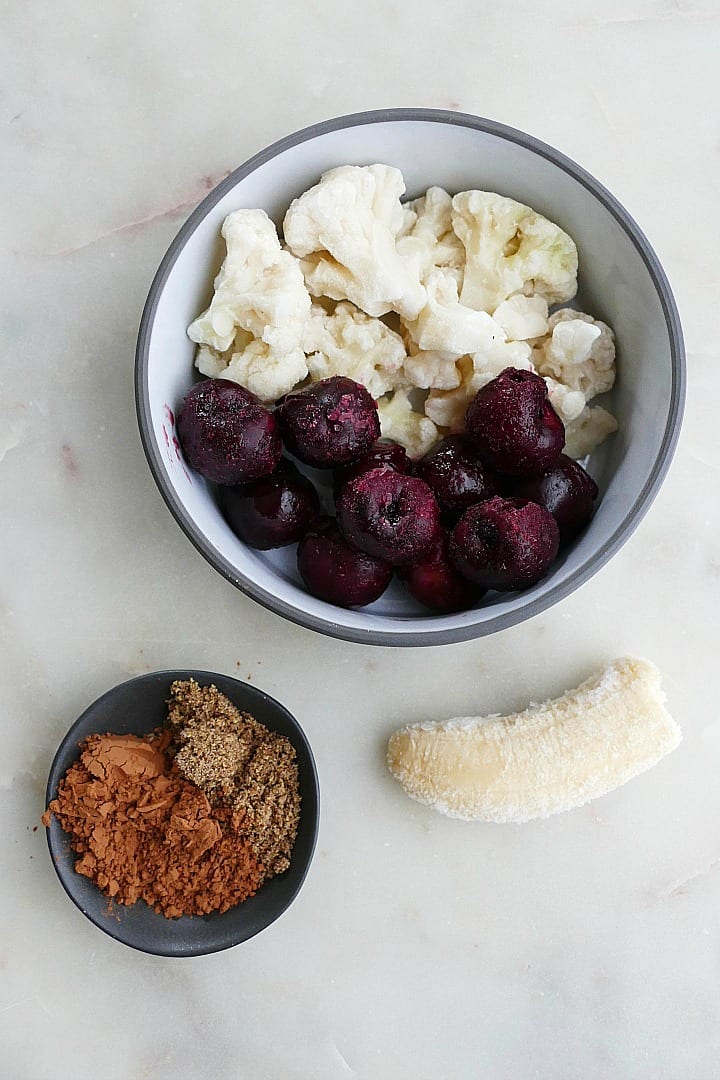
(390, 516)
(566, 491)
(435, 582)
(504, 543)
(330, 423)
(390, 454)
(456, 475)
(335, 571)
(273, 511)
(227, 435)
(513, 425)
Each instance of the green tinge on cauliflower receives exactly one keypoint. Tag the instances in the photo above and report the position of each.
(349, 342)
(252, 332)
(579, 351)
(509, 248)
(427, 235)
(400, 422)
(344, 229)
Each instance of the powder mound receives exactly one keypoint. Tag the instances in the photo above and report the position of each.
(143, 832)
(237, 762)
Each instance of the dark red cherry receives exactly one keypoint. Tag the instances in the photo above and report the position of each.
(392, 517)
(389, 454)
(513, 425)
(504, 543)
(335, 571)
(273, 511)
(566, 490)
(330, 423)
(435, 582)
(456, 474)
(226, 434)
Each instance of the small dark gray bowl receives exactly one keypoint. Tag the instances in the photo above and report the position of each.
(136, 708)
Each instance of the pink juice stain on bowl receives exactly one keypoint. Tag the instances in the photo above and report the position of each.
(170, 417)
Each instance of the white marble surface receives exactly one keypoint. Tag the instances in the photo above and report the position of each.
(587, 946)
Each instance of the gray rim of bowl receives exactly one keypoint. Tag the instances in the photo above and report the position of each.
(439, 635)
(51, 793)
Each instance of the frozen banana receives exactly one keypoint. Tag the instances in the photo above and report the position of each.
(547, 759)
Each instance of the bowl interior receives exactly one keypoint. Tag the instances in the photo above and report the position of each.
(136, 708)
(620, 282)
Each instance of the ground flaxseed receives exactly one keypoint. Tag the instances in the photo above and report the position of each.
(238, 762)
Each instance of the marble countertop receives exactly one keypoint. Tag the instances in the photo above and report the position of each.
(586, 946)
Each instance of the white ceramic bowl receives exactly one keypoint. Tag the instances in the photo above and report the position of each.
(621, 281)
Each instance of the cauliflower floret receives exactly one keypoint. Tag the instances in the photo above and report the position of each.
(591, 427)
(213, 363)
(510, 248)
(431, 369)
(210, 362)
(259, 289)
(427, 235)
(447, 326)
(447, 408)
(344, 231)
(426, 369)
(580, 352)
(399, 422)
(567, 403)
(252, 332)
(523, 317)
(255, 367)
(349, 342)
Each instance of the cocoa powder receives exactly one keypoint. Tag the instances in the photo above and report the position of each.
(143, 832)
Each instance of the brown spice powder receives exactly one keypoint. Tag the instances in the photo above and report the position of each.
(143, 832)
(238, 762)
